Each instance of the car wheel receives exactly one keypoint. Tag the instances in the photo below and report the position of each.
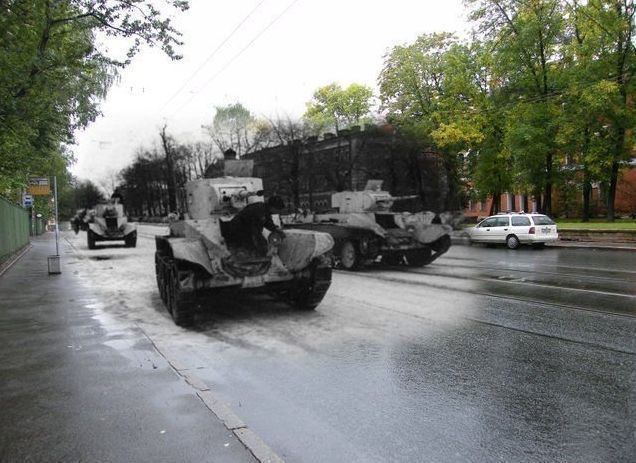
(512, 242)
(131, 240)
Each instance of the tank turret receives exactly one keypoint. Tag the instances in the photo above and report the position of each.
(220, 244)
(371, 199)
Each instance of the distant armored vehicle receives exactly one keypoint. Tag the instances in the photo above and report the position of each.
(365, 229)
(205, 254)
(107, 222)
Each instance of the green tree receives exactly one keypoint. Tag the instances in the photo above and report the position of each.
(602, 59)
(415, 92)
(335, 108)
(526, 39)
(470, 119)
(54, 73)
(74, 194)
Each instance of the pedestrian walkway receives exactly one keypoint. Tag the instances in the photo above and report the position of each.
(73, 391)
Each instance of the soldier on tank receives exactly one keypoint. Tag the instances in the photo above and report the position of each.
(246, 228)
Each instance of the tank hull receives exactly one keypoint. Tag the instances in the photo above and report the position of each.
(394, 238)
(194, 265)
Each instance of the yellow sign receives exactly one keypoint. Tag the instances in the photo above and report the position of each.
(39, 186)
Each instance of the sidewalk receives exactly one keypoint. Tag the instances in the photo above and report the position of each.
(74, 391)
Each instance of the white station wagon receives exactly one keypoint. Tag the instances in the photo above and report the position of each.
(514, 229)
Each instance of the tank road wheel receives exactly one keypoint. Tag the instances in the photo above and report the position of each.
(160, 274)
(131, 240)
(349, 257)
(442, 244)
(418, 257)
(90, 238)
(512, 242)
(181, 304)
(309, 292)
(394, 258)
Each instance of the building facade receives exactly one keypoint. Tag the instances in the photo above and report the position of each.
(306, 172)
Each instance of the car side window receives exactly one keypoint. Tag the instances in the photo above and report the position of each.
(542, 220)
(502, 222)
(488, 223)
(520, 221)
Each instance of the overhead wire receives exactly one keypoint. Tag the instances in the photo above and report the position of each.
(249, 44)
(211, 55)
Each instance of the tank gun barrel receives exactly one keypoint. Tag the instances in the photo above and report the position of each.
(241, 194)
(405, 197)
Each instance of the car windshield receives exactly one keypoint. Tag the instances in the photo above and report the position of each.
(542, 220)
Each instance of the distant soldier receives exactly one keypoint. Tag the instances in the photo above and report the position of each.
(117, 197)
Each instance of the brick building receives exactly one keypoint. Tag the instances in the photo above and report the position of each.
(306, 172)
(569, 205)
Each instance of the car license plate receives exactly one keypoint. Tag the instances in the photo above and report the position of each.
(545, 231)
(252, 282)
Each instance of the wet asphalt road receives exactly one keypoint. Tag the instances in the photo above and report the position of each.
(486, 355)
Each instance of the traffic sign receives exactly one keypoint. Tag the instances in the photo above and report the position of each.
(39, 186)
(27, 200)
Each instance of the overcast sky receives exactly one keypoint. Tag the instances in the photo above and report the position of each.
(272, 66)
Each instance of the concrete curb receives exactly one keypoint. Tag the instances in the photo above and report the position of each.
(462, 240)
(259, 449)
(14, 258)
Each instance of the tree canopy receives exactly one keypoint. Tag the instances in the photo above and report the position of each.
(333, 107)
(54, 73)
(545, 89)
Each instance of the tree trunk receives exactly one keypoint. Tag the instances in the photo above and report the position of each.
(296, 149)
(494, 205)
(416, 172)
(170, 174)
(310, 179)
(547, 200)
(587, 192)
(524, 202)
(537, 200)
(611, 193)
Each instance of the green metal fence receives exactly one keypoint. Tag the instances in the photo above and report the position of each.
(14, 228)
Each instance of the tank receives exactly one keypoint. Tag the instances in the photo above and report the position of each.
(199, 258)
(365, 229)
(107, 222)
